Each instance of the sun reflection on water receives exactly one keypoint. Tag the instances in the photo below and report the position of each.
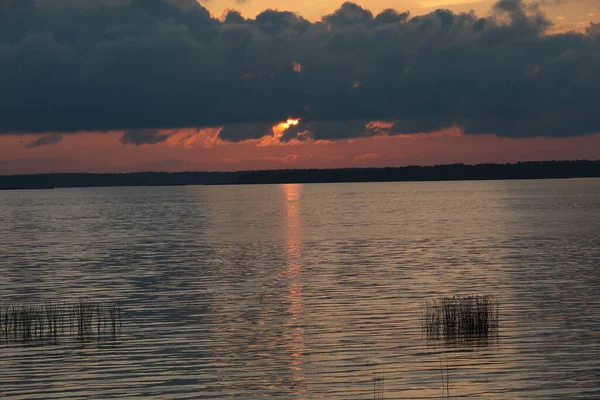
(294, 296)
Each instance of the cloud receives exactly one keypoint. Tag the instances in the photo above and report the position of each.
(349, 14)
(237, 132)
(140, 137)
(45, 140)
(138, 65)
(593, 29)
(368, 156)
(327, 130)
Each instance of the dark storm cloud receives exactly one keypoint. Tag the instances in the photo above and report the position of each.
(235, 133)
(139, 137)
(153, 64)
(45, 140)
(349, 14)
(593, 29)
(390, 16)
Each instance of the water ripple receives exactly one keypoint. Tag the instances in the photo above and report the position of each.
(308, 291)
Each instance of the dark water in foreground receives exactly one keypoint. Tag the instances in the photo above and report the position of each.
(306, 291)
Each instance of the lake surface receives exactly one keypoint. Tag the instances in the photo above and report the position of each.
(308, 291)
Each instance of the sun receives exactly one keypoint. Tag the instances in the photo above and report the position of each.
(283, 126)
(278, 132)
(291, 122)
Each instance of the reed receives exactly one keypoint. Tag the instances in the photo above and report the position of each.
(51, 323)
(459, 319)
(445, 372)
(378, 387)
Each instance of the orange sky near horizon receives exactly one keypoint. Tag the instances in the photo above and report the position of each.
(565, 14)
(199, 150)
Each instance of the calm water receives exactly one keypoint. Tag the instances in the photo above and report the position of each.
(306, 291)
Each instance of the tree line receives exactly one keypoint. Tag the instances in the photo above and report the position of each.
(520, 170)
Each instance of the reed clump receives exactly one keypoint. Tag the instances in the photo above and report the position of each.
(456, 319)
(51, 322)
(378, 387)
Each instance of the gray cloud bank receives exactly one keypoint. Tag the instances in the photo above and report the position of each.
(46, 140)
(84, 65)
(140, 137)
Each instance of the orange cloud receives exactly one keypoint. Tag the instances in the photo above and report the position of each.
(369, 156)
(191, 138)
(278, 132)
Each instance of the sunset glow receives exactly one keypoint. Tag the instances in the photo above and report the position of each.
(347, 104)
(300, 200)
(292, 122)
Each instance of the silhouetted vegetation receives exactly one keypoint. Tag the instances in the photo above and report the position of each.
(51, 323)
(51, 181)
(461, 319)
(378, 387)
(445, 372)
(522, 170)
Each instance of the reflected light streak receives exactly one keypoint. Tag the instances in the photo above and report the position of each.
(294, 293)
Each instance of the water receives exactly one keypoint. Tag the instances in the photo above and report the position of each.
(308, 291)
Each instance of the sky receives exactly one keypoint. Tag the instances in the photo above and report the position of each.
(174, 85)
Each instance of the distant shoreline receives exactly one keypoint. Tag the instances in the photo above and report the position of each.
(450, 172)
